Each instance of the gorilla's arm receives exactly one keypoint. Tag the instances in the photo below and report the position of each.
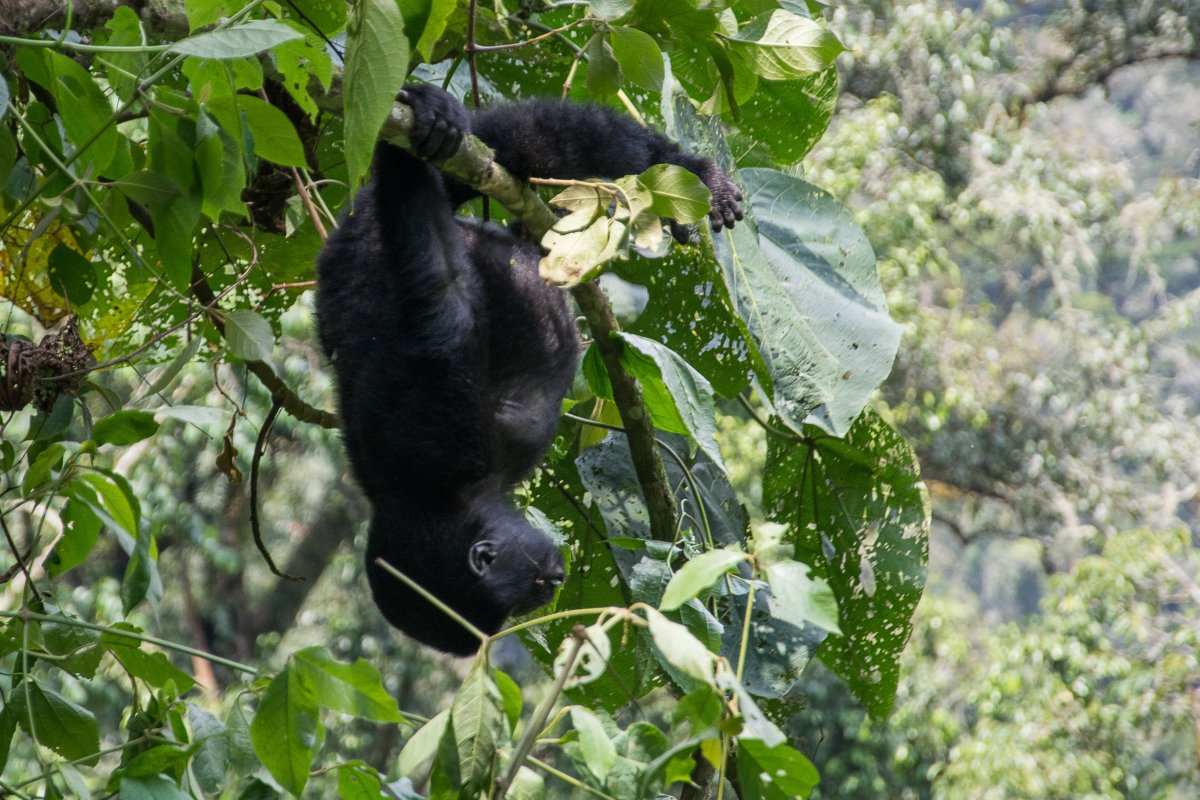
(551, 139)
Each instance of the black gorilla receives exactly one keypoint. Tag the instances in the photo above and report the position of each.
(452, 356)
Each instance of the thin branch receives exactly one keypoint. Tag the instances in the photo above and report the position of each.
(260, 444)
(281, 393)
(12, 545)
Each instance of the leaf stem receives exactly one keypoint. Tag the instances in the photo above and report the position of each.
(438, 604)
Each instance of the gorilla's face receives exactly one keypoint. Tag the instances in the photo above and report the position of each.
(518, 567)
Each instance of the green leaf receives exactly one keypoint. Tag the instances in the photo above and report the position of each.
(610, 9)
(8, 724)
(153, 668)
(107, 499)
(527, 785)
(423, 744)
(697, 575)
(71, 275)
(286, 730)
(327, 17)
(798, 598)
(159, 758)
(249, 335)
(784, 45)
(680, 399)
(238, 41)
(147, 186)
(79, 648)
(477, 722)
(357, 781)
(858, 514)
(354, 689)
(681, 649)
(774, 773)
(211, 760)
(638, 54)
(121, 68)
(219, 161)
(599, 753)
(376, 62)
(67, 729)
(810, 294)
(124, 427)
(274, 136)
(576, 255)
(81, 529)
(510, 692)
(678, 194)
(43, 468)
(83, 107)
(424, 23)
(300, 61)
(603, 71)
(155, 787)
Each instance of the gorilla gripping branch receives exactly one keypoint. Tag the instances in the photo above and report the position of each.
(474, 165)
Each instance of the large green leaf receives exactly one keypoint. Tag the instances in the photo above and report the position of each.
(858, 514)
(286, 731)
(83, 108)
(272, 132)
(774, 773)
(808, 289)
(354, 689)
(376, 61)
(478, 725)
(785, 119)
(237, 41)
(67, 729)
(827, 267)
(784, 45)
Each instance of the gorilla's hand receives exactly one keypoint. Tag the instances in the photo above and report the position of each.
(726, 208)
(439, 121)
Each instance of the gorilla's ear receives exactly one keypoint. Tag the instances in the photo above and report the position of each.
(481, 556)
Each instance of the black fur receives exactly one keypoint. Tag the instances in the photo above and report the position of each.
(453, 356)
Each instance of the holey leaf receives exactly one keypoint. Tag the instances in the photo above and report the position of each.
(857, 513)
(809, 291)
(784, 45)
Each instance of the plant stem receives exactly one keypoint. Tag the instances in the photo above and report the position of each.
(25, 614)
(438, 604)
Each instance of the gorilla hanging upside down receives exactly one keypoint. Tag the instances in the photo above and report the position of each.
(452, 356)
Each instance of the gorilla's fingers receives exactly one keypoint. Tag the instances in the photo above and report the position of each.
(680, 232)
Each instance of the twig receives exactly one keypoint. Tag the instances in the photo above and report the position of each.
(635, 417)
(259, 445)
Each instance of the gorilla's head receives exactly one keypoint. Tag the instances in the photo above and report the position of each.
(486, 562)
(517, 566)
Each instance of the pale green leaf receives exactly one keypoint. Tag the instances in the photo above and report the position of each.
(238, 41)
(249, 335)
(697, 575)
